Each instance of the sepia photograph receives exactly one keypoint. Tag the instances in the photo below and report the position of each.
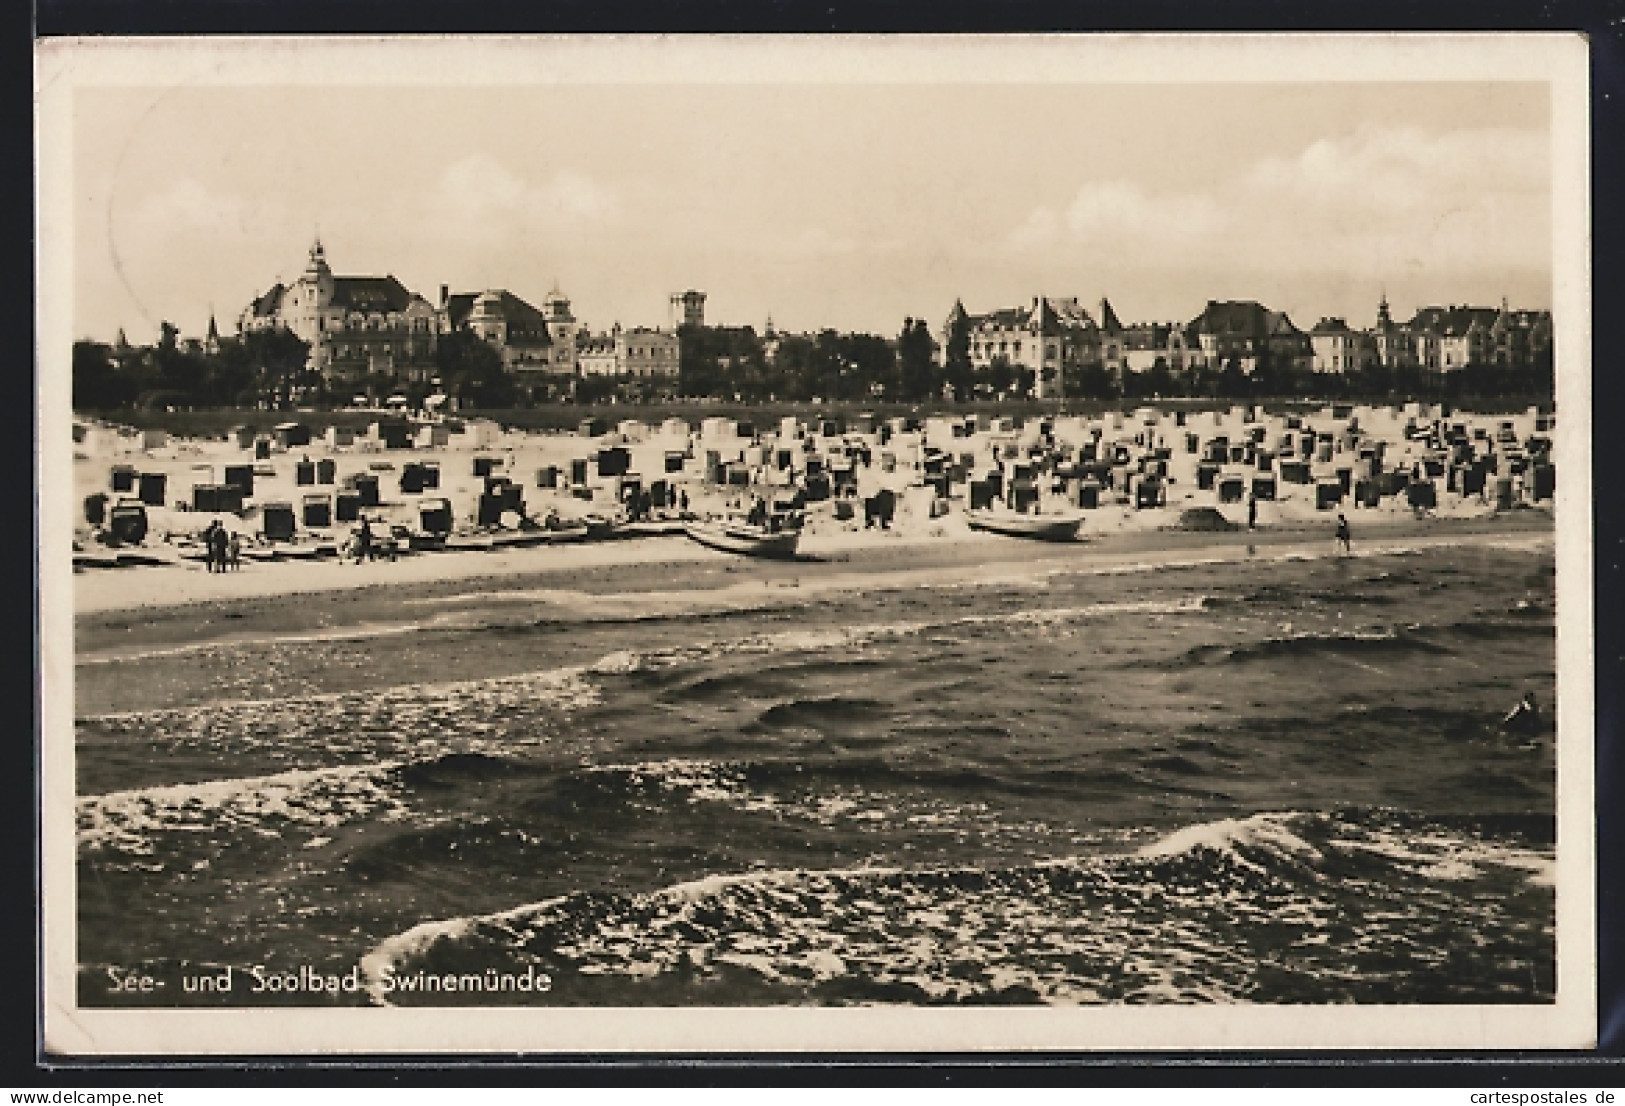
(810, 543)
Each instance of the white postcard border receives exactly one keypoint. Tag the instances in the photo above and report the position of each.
(64, 65)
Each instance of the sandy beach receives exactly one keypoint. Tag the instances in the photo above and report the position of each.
(117, 610)
(1149, 469)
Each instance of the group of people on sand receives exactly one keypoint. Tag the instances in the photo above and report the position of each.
(223, 547)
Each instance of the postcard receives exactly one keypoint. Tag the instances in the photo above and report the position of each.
(724, 544)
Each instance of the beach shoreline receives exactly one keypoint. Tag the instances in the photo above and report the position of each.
(120, 610)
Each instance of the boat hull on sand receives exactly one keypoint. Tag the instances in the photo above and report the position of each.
(1036, 527)
(750, 541)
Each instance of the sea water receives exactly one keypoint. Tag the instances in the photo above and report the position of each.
(1276, 780)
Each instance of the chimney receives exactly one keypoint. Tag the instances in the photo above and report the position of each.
(445, 294)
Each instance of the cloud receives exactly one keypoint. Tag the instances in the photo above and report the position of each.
(574, 194)
(480, 184)
(188, 207)
(1042, 227)
(1118, 214)
(1392, 170)
(480, 194)
(1125, 209)
(1375, 201)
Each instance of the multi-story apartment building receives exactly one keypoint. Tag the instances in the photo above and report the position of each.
(1337, 348)
(1048, 337)
(641, 354)
(1447, 339)
(517, 330)
(1145, 344)
(1246, 332)
(1520, 338)
(1232, 330)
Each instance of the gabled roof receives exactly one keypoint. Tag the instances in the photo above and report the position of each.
(1005, 318)
(1072, 313)
(1331, 326)
(524, 320)
(1232, 318)
(1044, 321)
(1046, 316)
(1523, 319)
(383, 293)
(1453, 321)
(1147, 336)
(1108, 318)
(526, 325)
(268, 304)
(458, 306)
(1281, 325)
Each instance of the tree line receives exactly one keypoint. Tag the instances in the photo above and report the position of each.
(735, 364)
(268, 369)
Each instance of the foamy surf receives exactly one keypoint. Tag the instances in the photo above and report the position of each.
(1200, 915)
(130, 822)
(560, 688)
(973, 794)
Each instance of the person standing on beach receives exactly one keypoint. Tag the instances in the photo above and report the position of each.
(1343, 540)
(208, 544)
(363, 542)
(1252, 512)
(217, 546)
(235, 551)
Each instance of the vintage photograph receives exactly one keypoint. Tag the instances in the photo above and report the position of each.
(927, 532)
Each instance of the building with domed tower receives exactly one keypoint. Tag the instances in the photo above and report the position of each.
(356, 326)
(517, 330)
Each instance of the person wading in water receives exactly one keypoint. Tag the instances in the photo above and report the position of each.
(1523, 718)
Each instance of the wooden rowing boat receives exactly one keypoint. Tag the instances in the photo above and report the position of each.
(1013, 524)
(744, 538)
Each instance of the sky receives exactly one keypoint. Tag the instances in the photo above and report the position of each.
(845, 206)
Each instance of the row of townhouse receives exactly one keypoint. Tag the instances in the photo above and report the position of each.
(1438, 339)
(1050, 336)
(361, 325)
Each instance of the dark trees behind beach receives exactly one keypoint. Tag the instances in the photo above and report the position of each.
(737, 365)
(734, 364)
(471, 369)
(236, 372)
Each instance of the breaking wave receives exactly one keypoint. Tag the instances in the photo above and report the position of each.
(1299, 906)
